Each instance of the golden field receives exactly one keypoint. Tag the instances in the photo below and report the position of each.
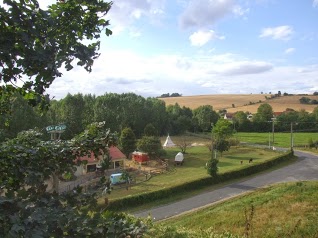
(242, 102)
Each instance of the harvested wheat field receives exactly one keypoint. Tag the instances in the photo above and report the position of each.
(242, 102)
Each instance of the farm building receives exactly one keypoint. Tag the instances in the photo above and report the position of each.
(93, 163)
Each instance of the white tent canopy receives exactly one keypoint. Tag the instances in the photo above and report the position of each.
(168, 142)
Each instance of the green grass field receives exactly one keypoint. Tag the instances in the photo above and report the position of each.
(280, 139)
(284, 210)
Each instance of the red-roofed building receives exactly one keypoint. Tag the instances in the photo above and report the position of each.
(93, 163)
(276, 114)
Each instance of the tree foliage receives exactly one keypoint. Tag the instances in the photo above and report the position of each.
(223, 129)
(36, 43)
(150, 130)
(150, 145)
(205, 116)
(28, 209)
(127, 141)
(222, 145)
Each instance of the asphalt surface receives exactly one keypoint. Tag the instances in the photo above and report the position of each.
(305, 168)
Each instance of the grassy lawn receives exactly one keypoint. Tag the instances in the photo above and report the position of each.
(194, 167)
(280, 139)
(284, 210)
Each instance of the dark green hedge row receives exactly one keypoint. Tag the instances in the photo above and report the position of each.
(197, 184)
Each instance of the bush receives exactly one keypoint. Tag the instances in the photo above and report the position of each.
(212, 167)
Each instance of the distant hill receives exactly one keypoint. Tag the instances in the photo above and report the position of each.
(242, 102)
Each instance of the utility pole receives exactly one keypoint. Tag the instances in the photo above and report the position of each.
(273, 130)
(212, 146)
(291, 137)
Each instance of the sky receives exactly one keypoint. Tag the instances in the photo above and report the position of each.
(200, 47)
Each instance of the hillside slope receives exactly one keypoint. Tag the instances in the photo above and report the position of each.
(241, 102)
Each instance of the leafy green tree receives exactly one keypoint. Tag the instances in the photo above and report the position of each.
(150, 145)
(156, 114)
(242, 123)
(22, 117)
(221, 132)
(43, 41)
(72, 113)
(222, 145)
(223, 129)
(263, 117)
(150, 130)
(127, 141)
(205, 116)
(305, 100)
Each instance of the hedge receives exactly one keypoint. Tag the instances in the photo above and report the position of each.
(143, 198)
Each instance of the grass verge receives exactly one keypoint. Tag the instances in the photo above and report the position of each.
(284, 210)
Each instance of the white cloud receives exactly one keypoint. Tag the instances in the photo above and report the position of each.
(239, 11)
(315, 3)
(124, 13)
(201, 37)
(277, 33)
(154, 75)
(289, 50)
(202, 13)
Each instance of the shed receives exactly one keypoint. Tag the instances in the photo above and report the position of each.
(140, 157)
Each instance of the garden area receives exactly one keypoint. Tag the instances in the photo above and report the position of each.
(193, 168)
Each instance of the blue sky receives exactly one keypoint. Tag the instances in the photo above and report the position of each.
(197, 47)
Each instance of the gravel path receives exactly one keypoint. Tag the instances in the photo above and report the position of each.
(306, 168)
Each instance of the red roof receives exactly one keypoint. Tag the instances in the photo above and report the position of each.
(114, 153)
(277, 113)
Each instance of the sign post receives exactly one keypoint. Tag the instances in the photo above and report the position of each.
(56, 131)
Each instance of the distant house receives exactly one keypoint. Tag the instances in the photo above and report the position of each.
(93, 163)
(229, 116)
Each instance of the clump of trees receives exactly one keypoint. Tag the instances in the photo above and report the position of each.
(167, 95)
(306, 100)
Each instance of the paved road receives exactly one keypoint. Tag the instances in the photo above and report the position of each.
(306, 168)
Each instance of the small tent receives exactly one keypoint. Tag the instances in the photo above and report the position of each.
(168, 142)
(178, 159)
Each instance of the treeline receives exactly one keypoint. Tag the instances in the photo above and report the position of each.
(117, 110)
(265, 119)
(120, 111)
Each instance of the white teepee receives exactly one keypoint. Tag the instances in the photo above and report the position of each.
(168, 142)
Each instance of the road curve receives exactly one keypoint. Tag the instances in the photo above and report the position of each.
(305, 168)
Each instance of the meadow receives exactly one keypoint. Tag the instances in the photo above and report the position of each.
(300, 139)
(281, 210)
(242, 102)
